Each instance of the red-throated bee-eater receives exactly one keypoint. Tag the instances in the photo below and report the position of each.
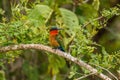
(56, 39)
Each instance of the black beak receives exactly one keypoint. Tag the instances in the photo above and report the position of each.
(60, 28)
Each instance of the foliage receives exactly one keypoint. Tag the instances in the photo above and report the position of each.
(28, 25)
(2, 75)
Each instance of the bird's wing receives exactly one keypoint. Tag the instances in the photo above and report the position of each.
(61, 42)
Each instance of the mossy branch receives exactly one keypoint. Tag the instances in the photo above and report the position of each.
(57, 52)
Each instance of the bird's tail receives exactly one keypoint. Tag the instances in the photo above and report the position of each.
(61, 48)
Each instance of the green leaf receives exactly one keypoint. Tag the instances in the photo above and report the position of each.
(96, 4)
(40, 10)
(55, 63)
(69, 18)
(39, 14)
(104, 51)
(2, 75)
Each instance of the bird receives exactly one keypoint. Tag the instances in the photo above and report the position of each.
(56, 40)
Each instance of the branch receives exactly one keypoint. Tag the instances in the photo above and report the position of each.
(107, 71)
(85, 76)
(92, 21)
(57, 52)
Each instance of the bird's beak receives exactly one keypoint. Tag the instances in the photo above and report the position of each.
(60, 28)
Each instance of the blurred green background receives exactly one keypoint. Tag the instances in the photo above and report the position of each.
(91, 33)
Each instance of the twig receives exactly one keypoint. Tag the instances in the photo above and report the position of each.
(92, 21)
(57, 52)
(107, 71)
(85, 1)
(85, 76)
(49, 16)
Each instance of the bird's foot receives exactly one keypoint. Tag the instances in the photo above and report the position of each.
(54, 49)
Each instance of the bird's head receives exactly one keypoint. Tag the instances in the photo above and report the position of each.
(54, 30)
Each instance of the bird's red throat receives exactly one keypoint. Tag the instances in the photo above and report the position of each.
(54, 32)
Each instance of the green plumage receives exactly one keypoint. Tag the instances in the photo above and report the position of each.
(60, 42)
